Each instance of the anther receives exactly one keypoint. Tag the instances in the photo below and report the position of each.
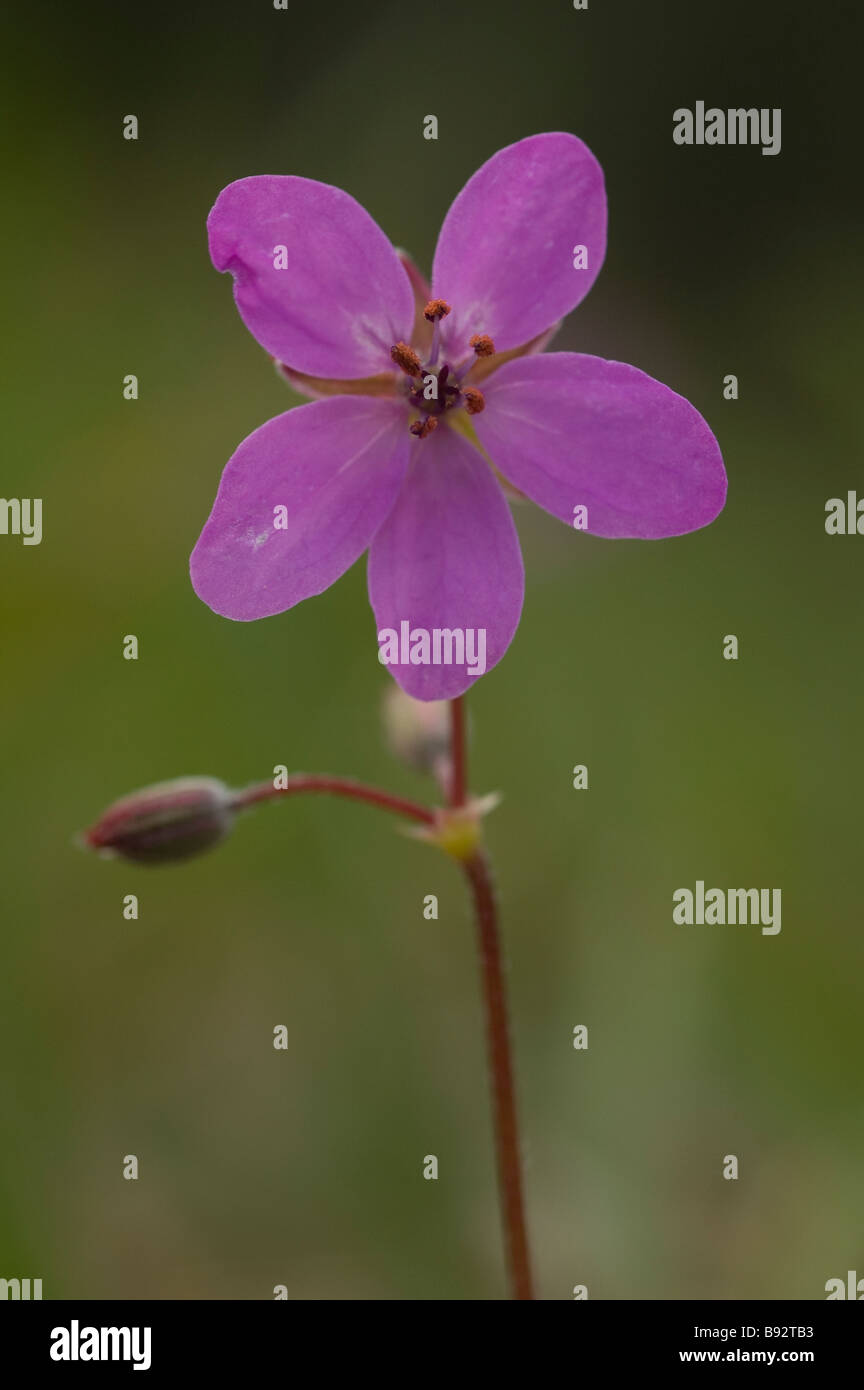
(474, 401)
(436, 309)
(421, 428)
(482, 344)
(406, 358)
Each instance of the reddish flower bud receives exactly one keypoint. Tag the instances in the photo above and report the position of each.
(169, 821)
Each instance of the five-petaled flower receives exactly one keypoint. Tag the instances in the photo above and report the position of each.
(427, 399)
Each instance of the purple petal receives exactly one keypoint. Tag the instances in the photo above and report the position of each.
(570, 430)
(336, 467)
(344, 298)
(448, 558)
(504, 261)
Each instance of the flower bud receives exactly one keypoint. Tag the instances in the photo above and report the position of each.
(169, 821)
(418, 731)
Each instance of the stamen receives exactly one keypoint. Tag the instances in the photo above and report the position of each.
(406, 358)
(435, 311)
(421, 428)
(474, 401)
(482, 344)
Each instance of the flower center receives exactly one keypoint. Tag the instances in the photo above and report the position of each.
(434, 389)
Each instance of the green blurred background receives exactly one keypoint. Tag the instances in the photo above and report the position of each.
(154, 1037)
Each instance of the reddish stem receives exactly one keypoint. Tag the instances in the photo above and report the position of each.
(479, 876)
(336, 786)
(494, 991)
(458, 774)
(501, 1068)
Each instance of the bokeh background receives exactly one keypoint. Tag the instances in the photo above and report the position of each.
(154, 1037)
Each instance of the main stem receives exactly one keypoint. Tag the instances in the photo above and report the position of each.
(458, 750)
(479, 877)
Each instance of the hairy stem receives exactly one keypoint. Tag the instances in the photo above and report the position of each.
(459, 756)
(478, 874)
(335, 786)
(477, 871)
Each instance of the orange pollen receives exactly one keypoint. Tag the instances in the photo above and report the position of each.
(474, 401)
(406, 358)
(436, 309)
(421, 428)
(482, 344)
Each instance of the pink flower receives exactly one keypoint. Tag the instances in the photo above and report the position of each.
(420, 414)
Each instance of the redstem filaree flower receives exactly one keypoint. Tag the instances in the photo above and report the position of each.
(433, 402)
